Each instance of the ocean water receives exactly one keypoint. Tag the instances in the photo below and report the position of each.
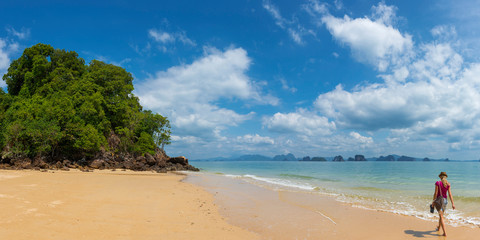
(400, 187)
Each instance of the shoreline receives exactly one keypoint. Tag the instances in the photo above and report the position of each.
(282, 214)
(108, 205)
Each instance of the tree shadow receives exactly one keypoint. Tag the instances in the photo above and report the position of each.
(421, 234)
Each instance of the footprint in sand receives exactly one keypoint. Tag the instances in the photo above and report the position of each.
(55, 203)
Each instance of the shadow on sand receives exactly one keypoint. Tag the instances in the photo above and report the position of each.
(422, 234)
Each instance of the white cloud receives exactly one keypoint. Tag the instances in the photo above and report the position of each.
(445, 32)
(6, 50)
(22, 34)
(440, 100)
(255, 139)
(4, 59)
(300, 122)
(361, 139)
(372, 40)
(160, 36)
(273, 10)
(384, 14)
(338, 4)
(166, 38)
(293, 28)
(189, 94)
(286, 87)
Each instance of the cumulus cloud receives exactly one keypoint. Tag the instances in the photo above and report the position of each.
(300, 122)
(439, 99)
(255, 139)
(372, 40)
(189, 94)
(361, 139)
(430, 99)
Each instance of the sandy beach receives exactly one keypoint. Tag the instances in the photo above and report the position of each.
(278, 214)
(145, 205)
(108, 205)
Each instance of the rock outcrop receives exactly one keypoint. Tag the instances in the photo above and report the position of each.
(338, 158)
(359, 158)
(387, 158)
(159, 162)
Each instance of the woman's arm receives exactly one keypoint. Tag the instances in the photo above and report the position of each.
(451, 196)
(435, 193)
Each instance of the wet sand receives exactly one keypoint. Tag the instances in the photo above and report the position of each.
(108, 205)
(280, 214)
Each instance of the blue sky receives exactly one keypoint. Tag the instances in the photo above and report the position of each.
(317, 78)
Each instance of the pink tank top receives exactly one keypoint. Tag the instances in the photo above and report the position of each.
(443, 189)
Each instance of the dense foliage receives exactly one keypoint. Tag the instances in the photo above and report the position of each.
(59, 107)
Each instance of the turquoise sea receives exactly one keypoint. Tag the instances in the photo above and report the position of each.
(400, 187)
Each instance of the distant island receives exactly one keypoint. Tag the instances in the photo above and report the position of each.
(338, 158)
(61, 113)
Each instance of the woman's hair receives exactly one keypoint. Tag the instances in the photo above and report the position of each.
(444, 181)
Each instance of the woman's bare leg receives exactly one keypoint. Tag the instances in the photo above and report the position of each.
(442, 223)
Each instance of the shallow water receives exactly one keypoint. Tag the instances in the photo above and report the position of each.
(400, 187)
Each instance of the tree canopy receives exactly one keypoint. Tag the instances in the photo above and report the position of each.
(59, 107)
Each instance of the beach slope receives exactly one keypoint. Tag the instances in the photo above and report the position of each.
(108, 205)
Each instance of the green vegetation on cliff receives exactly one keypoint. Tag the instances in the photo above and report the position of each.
(58, 107)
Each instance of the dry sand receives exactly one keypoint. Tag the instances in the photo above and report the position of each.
(277, 214)
(108, 205)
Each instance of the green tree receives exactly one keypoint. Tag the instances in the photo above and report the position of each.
(57, 106)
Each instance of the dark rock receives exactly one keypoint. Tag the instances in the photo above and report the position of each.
(97, 164)
(405, 159)
(318, 159)
(150, 159)
(162, 163)
(180, 160)
(68, 163)
(338, 158)
(38, 162)
(141, 159)
(59, 165)
(350, 159)
(106, 158)
(307, 158)
(22, 163)
(82, 162)
(360, 158)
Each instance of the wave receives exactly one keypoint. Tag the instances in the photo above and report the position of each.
(288, 175)
(416, 206)
(275, 182)
(375, 189)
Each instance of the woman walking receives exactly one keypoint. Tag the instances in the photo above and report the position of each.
(440, 199)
